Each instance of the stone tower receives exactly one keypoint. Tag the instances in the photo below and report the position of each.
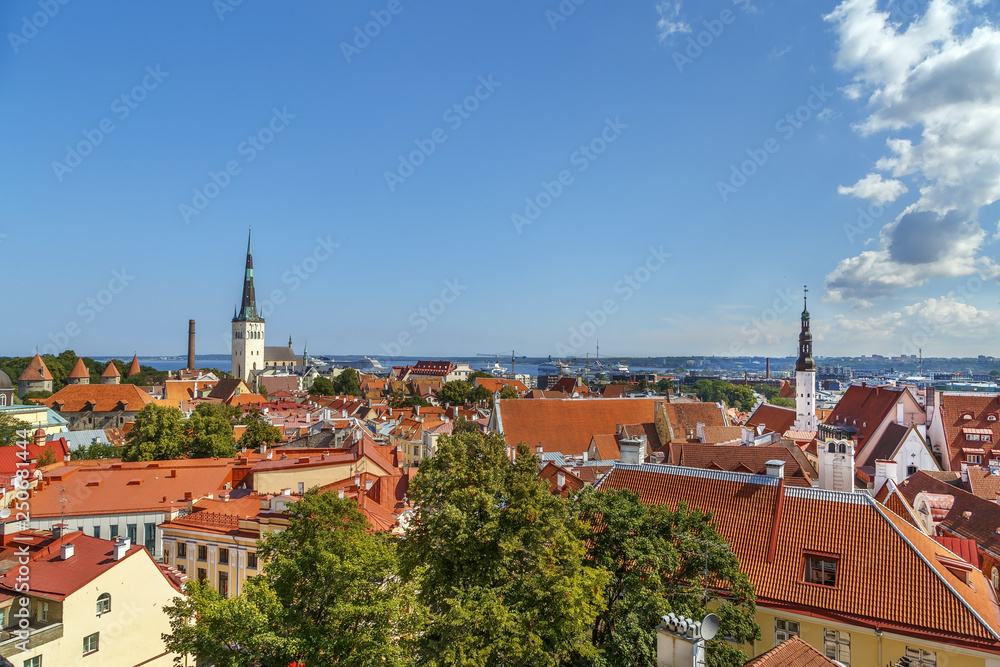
(805, 376)
(248, 328)
(79, 374)
(36, 377)
(111, 374)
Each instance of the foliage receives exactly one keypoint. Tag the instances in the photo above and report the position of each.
(477, 374)
(455, 392)
(768, 391)
(9, 426)
(347, 383)
(738, 396)
(665, 385)
(355, 611)
(209, 431)
(413, 402)
(46, 457)
(147, 376)
(784, 402)
(463, 425)
(34, 394)
(156, 435)
(322, 386)
(657, 559)
(479, 394)
(507, 392)
(497, 560)
(259, 431)
(96, 450)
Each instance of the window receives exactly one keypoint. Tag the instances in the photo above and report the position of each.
(202, 574)
(43, 612)
(223, 556)
(3, 618)
(182, 568)
(103, 603)
(90, 643)
(821, 570)
(972, 436)
(987, 438)
(784, 630)
(921, 658)
(967, 415)
(995, 576)
(132, 531)
(33, 662)
(837, 645)
(224, 584)
(182, 550)
(974, 458)
(150, 537)
(911, 470)
(252, 561)
(991, 417)
(202, 552)
(97, 532)
(302, 485)
(114, 532)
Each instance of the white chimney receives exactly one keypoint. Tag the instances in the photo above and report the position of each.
(67, 551)
(263, 448)
(122, 545)
(699, 429)
(561, 479)
(775, 468)
(900, 414)
(340, 494)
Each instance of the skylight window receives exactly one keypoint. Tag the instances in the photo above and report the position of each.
(821, 570)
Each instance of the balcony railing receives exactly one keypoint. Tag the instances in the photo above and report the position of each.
(12, 643)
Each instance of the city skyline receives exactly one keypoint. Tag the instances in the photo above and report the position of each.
(663, 177)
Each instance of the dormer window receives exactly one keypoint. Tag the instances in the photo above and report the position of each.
(991, 417)
(972, 437)
(967, 415)
(820, 569)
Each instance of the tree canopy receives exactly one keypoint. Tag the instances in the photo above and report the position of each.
(9, 427)
(455, 392)
(497, 560)
(322, 386)
(738, 396)
(258, 431)
(208, 431)
(156, 435)
(347, 383)
(353, 610)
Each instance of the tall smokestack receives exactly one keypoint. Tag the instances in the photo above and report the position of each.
(768, 359)
(191, 345)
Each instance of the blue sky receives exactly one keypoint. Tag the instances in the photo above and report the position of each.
(662, 176)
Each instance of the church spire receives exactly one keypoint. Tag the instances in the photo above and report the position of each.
(248, 305)
(805, 361)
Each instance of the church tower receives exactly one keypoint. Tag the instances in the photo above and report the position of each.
(805, 376)
(248, 329)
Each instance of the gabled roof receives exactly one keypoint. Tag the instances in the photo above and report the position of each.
(496, 384)
(984, 483)
(968, 516)
(111, 371)
(56, 579)
(606, 446)
(98, 398)
(774, 418)
(792, 653)
(35, 371)
(225, 388)
(863, 408)
(79, 370)
(885, 448)
(572, 484)
(878, 553)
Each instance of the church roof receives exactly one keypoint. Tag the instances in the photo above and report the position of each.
(248, 303)
(36, 370)
(5, 382)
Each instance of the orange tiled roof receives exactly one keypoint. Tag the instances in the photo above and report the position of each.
(36, 370)
(98, 398)
(572, 484)
(568, 425)
(496, 384)
(878, 553)
(774, 418)
(79, 370)
(792, 653)
(607, 447)
(133, 368)
(953, 411)
(863, 408)
(111, 371)
(738, 458)
(983, 483)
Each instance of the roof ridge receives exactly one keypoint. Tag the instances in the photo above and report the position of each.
(938, 574)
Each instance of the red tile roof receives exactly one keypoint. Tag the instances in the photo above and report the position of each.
(98, 398)
(496, 384)
(133, 368)
(953, 410)
(607, 447)
(862, 409)
(572, 484)
(56, 579)
(966, 515)
(35, 371)
(79, 370)
(774, 418)
(738, 458)
(792, 653)
(878, 553)
(111, 371)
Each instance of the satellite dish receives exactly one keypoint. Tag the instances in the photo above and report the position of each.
(710, 626)
(4, 513)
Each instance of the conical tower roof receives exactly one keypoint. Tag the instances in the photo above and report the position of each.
(36, 370)
(111, 371)
(133, 368)
(79, 371)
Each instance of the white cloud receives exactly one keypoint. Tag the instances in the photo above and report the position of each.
(934, 75)
(671, 20)
(875, 189)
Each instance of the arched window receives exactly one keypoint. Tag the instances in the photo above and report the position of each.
(103, 603)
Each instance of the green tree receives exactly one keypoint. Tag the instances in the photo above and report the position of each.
(347, 383)
(783, 402)
(322, 386)
(209, 431)
(46, 457)
(9, 426)
(497, 560)
(665, 385)
(156, 435)
(479, 394)
(414, 402)
(477, 374)
(508, 392)
(96, 450)
(739, 396)
(455, 392)
(661, 560)
(769, 392)
(355, 610)
(258, 431)
(463, 425)
(35, 394)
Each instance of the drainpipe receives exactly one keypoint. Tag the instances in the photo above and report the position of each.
(878, 636)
